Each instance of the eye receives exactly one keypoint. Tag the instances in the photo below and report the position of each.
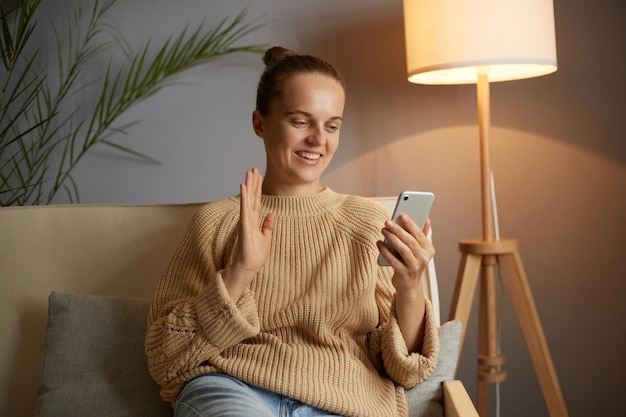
(300, 123)
(333, 127)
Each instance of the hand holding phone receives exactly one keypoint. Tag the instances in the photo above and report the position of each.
(415, 204)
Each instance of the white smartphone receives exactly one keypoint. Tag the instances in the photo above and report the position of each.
(416, 204)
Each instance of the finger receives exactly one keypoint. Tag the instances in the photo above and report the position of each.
(407, 223)
(247, 197)
(245, 190)
(268, 225)
(251, 183)
(415, 231)
(390, 257)
(397, 234)
(242, 193)
(258, 188)
(412, 248)
(397, 247)
(427, 227)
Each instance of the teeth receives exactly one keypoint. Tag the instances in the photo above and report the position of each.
(309, 155)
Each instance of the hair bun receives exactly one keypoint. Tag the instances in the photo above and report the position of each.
(275, 54)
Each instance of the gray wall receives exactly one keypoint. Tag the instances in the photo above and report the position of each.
(558, 152)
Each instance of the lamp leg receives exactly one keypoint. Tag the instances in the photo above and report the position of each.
(490, 360)
(526, 310)
(504, 253)
(467, 279)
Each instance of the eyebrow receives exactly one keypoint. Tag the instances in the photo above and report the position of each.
(305, 113)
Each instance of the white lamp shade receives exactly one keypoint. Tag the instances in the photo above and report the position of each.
(450, 41)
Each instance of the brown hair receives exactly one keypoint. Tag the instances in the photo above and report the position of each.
(282, 64)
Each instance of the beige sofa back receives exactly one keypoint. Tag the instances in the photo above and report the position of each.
(118, 250)
(83, 249)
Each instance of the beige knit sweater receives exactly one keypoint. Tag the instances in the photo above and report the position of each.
(317, 324)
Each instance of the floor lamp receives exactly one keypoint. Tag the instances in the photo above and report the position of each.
(478, 42)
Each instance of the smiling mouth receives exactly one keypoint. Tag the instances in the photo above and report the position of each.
(309, 155)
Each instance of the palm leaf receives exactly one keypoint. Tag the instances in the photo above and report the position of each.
(43, 135)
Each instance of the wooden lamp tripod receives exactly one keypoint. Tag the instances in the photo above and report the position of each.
(467, 42)
(479, 259)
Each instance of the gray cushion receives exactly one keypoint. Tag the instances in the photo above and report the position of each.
(426, 399)
(95, 364)
(94, 361)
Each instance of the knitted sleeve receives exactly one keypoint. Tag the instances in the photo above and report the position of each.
(388, 348)
(192, 318)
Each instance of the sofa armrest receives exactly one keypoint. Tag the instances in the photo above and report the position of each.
(457, 402)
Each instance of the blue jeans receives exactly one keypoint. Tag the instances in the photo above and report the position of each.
(219, 395)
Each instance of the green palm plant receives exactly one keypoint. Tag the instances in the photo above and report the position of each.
(44, 133)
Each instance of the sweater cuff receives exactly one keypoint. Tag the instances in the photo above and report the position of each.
(226, 323)
(411, 369)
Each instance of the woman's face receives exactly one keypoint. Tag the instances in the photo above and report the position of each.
(301, 133)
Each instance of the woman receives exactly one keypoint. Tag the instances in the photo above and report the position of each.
(274, 301)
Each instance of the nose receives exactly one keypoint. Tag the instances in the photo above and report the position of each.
(317, 136)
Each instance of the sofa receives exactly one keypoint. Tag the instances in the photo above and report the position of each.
(76, 285)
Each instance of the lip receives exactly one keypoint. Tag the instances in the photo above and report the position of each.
(306, 160)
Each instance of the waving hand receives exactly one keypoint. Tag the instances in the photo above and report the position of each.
(254, 242)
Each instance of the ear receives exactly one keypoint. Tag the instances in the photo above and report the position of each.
(257, 123)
